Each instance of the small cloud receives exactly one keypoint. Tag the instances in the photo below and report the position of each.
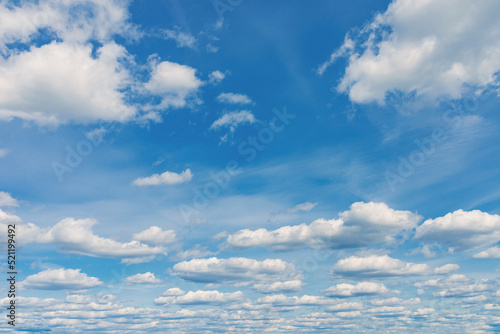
(216, 77)
(196, 252)
(233, 120)
(211, 48)
(307, 206)
(155, 236)
(60, 279)
(4, 152)
(166, 179)
(7, 200)
(233, 98)
(146, 278)
(182, 39)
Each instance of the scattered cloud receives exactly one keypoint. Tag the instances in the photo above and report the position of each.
(183, 39)
(233, 119)
(155, 236)
(232, 98)
(461, 230)
(195, 252)
(165, 179)
(234, 270)
(287, 286)
(216, 77)
(60, 279)
(384, 266)
(345, 290)
(306, 206)
(7, 200)
(363, 225)
(146, 278)
(490, 253)
(200, 297)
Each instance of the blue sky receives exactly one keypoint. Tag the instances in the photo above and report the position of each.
(230, 166)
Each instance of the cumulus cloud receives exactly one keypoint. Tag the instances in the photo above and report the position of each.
(166, 179)
(233, 119)
(282, 300)
(459, 286)
(183, 39)
(176, 84)
(7, 200)
(201, 297)
(146, 278)
(385, 266)
(461, 230)
(216, 77)
(345, 290)
(287, 286)
(363, 225)
(232, 98)
(234, 270)
(60, 279)
(155, 236)
(346, 307)
(490, 253)
(430, 48)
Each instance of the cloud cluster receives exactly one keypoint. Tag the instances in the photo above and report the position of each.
(200, 297)
(60, 279)
(345, 290)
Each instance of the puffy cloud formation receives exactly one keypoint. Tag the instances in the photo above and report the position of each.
(431, 48)
(287, 286)
(60, 279)
(155, 236)
(385, 266)
(200, 297)
(364, 224)
(7, 200)
(461, 230)
(345, 290)
(234, 270)
(146, 278)
(164, 179)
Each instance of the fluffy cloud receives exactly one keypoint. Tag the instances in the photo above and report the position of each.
(345, 307)
(385, 266)
(174, 83)
(430, 48)
(155, 236)
(459, 286)
(60, 279)
(166, 179)
(234, 270)
(282, 300)
(7, 200)
(363, 225)
(233, 98)
(461, 230)
(61, 82)
(216, 77)
(201, 298)
(490, 253)
(233, 120)
(345, 290)
(287, 286)
(146, 278)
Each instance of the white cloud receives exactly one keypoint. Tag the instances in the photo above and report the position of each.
(287, 286)
(461, 230)
(490, 253)
(234, 270)
(233, 120)
(433, 48)
(7, 200)
(60, 279)
(61, 82)
(385, 266)
(182, 39)
(216, 77)
(155, 236)
(459, 286)
(201, 297)
(363, 225)
(343, 307)
(306, 206)
(195, 252)
(282, 300)
(233, 98)
(345, 290)
(166, 179)
(176, 84)
(146, 278)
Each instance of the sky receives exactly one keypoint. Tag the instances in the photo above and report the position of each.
(251, 166)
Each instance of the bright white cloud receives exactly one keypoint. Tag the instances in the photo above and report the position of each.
(164, 179)
(233, 98)
(345, 290)
(307, 206)
(155, 236)
(461, 230)
(216, 77)
(183, 39)
(146, 278)
(363, 225)
(459, 286)
(176, 84)
(234, 270)
(201, 297)
(60, 279)
(346, 307)
(433, 48)
(385, 266)
(233, 119)
(7, 200)
(287, 286)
